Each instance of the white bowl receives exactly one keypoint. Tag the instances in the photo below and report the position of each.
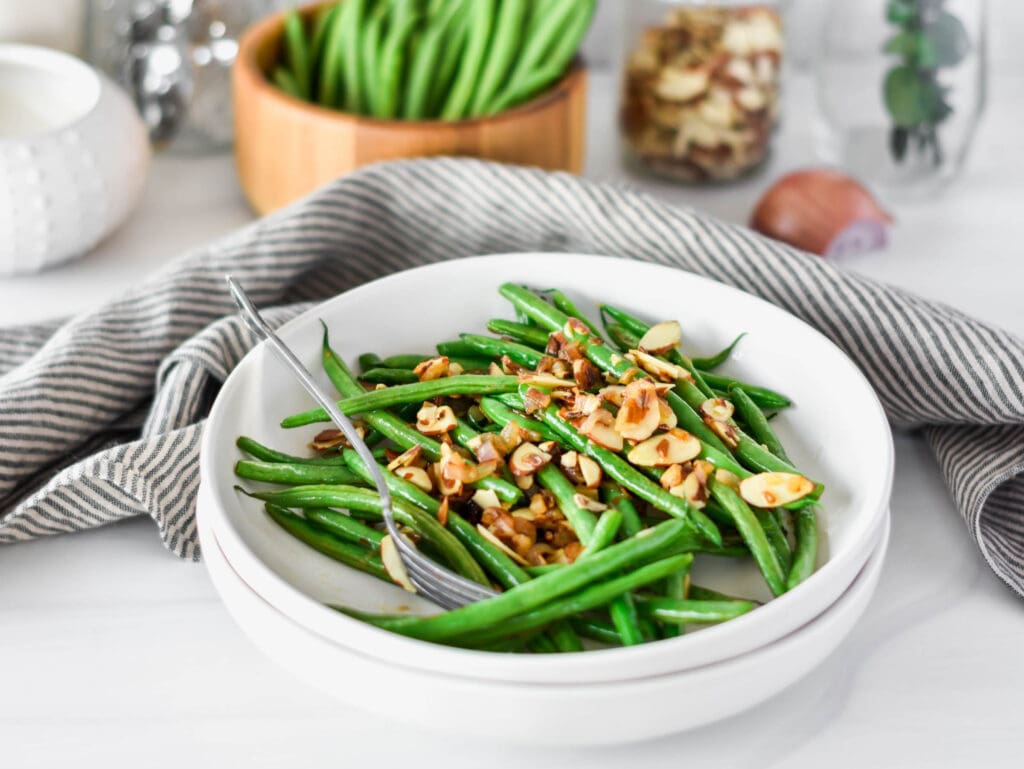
(836, 433)
(585, 714)
(73, 157)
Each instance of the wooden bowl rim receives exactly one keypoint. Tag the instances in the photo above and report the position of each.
(273, 25)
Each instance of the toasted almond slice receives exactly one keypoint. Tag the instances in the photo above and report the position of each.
(442, 512)
(524, 482)
(494, 369)
(661, 337)
(727, 432)
(548, 447)
(658, 368)
(665, 449)
(538, 505)
(485, 498)
(599, 427)
(586, 374)
(544, 380)
(569, 459)
(774, 489)
(527, 459)
(417, 476)
(560, 368)
(613, 394)
(718, 409)
(728, 478)
(491, 537)
(455, 468)
(393, 565)
(487, 450)
(681, 85)
(535, 400)
(667, 415)
(434, 420)
(640, 414)
(433, 368)
(447, 487)
(575, 328)
(586, 503)
(673, 476)
(512, 435)
(591, 471)
(454, 369)
(406, 458)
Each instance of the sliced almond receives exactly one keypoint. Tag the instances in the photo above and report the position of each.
(494, 369)
(599, 427)
(527, 459)
(535, 400)
(576, 329)
(672, 476)
(406, 458)
(417, 476)
(447, 487)
(591, 471)
(640, 413)
(718, 409)
(681, 85)
(667, 415)
(524, 482)
(435, 420)
(485, 498)
(454, 467)
(454, 369)
(493, 539)
(613, 394)
(658, 368)
(393, 564)
(586, 374)
(661, 337)
(544, 380)
(434, 368)
(586, 503)
(728, 478)
(569, 460)
(665, 449)
(442, 512)
(727, 432)
(486, 447)
(774, 489)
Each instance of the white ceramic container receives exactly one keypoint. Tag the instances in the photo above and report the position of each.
(837, 434)
(73, 157)
(543, 714)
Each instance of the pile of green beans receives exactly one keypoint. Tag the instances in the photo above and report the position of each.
(630, 581)
(429, 59)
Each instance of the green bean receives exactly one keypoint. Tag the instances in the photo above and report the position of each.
(581, 520)
(388, 376)
(404, 361)
(348, 554)
(806, 554)
(264, 454)
(716, 360)
(285, 80)
(507, 38)
(478, 42)
(352, 18)
(588, 598)
(615, 497)
(292, 474)
(496, 348)
(566, 305)
(506, 571)
(630, 478)
(369, 58)
(464, 384)
(423, 62)
(699, 593)
(540, 591)
(762, 396)
(331, 75)
(532, 85)
(321, 26)
(626, 620)
(758, 425)
(685, 612)
(369, 360)
(392, 60)
(604, 533)
(297, 51)
(676, 587)
(455, 348)
(519, 332)
(545, 29)
(454, 45)
(753, 534)
(536, 571)
(365, 500)
(597, 631)
(501, 414)
(542, 644)
(346, 528)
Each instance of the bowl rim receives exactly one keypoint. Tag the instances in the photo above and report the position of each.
(450, 660)
(54, 62)
(247, 70)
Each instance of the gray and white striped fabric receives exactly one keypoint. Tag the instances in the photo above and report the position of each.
(100, 417)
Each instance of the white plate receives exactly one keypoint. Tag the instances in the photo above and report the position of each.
(586, 714)
(837, 433)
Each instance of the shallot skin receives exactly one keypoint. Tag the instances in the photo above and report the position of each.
(824, 212)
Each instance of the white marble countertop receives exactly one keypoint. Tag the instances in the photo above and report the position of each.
(114, 651)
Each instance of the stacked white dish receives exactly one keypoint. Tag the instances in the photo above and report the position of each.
(276, 587)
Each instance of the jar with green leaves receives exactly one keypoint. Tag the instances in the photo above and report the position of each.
(900, 87)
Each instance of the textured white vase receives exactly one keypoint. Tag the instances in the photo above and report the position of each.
(73, 157)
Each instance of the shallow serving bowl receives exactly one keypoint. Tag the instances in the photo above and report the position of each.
(837, 434)
(585, 713)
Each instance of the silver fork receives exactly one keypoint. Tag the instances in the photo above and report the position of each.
(442, 586)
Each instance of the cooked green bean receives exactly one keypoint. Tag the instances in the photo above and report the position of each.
(496, 348)
(598, 631)
(417, 392)
(345, 527)
(519, 332)
(581, 520)
(699, 593)
(753, 534)
(403, 361)
(758, 425)
(716, 360)
(264, 454)
(604, 533)
(626, 620)
(686, 612)
(293, 474)
(388, 376)
(348, 554)
(806, 554)
(762, 396)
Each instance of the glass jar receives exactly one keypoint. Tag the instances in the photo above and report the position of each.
(700, 86)
(900, 89)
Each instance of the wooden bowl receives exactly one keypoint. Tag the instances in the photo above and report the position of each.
(285, 148)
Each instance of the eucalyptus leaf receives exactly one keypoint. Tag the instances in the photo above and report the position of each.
(898, 139)
(949, 38)
(903, 91)
(900, 11)
(903, 43)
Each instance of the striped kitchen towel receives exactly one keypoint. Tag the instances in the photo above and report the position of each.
(100, 417)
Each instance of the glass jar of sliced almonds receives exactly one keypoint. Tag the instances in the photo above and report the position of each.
(700, 86)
